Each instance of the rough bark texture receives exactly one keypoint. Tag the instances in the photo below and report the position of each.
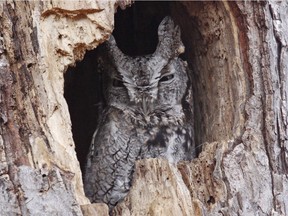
(39, 173)
(238, 53)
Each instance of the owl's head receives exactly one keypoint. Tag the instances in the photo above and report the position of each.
(151, 82)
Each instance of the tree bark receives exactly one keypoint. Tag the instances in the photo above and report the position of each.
(40, 173)
(238, 53)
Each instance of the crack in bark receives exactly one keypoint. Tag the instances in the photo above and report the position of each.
(279, 127)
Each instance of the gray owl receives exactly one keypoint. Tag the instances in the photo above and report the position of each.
(148, 115)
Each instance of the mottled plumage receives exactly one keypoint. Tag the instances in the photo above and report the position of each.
(148, 115)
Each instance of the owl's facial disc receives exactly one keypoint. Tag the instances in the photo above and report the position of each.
(148, 94)
(147, 84)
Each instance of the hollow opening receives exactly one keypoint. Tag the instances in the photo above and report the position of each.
(215, 98)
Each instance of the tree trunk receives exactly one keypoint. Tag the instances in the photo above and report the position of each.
(238, 55)
(40, 173)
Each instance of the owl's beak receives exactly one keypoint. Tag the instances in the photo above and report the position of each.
(145, 105)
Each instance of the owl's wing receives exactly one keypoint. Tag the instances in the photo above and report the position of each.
(111, 160)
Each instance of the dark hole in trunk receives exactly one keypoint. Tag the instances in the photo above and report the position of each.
(136, 34)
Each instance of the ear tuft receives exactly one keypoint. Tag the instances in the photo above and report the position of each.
(170, 44)
(113, 50)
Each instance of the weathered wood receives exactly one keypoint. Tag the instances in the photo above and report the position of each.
(99, 209)
(40, 174)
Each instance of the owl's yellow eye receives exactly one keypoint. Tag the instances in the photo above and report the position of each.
(118, 83)
(166, 78)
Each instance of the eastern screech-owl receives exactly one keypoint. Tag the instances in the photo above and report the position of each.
(148, 115)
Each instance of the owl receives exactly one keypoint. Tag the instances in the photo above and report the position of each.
(148, 114)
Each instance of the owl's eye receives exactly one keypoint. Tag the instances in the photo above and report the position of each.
(118, 83)
(166, 78)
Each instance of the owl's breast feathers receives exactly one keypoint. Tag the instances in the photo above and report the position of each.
(157, 117)
(162, 133)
